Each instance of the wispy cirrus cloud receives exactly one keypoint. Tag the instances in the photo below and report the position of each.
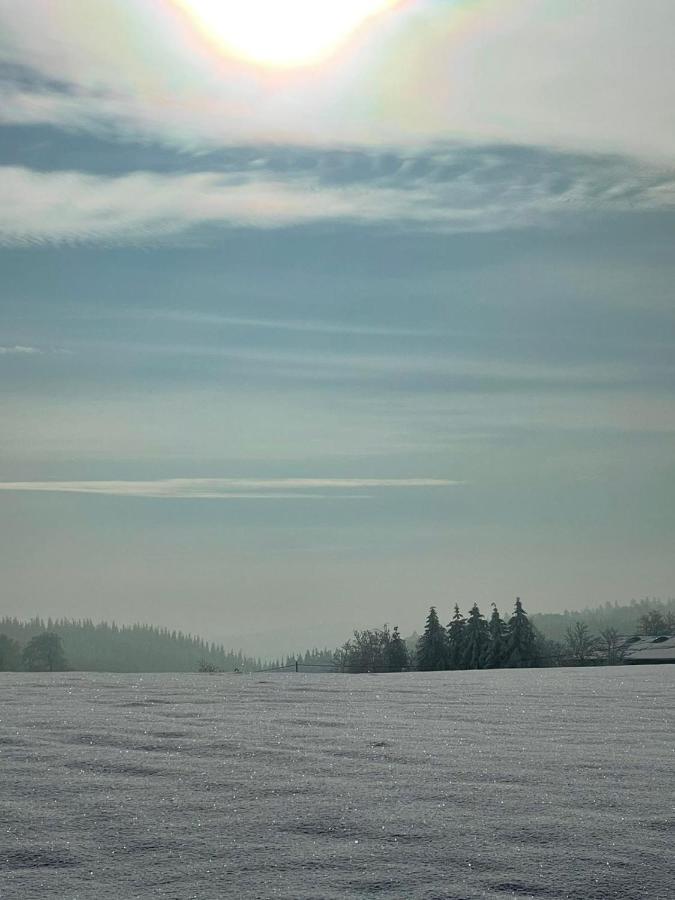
(19, 350)
(302, 326)
(453, 192)
(29, 350)
(229, 488)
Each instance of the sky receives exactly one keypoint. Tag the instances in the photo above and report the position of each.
(315, 314)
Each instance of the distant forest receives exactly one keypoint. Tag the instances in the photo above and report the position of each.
(104, 647)
(518, 640)
(625, 619)
(466, 642)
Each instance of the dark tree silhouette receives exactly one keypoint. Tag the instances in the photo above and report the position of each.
(497, 638)
(396, 653)
(456, 639)
(475, 639)
(432, 646)
(521, 644)
(10, 654)
(366, 651)
(44, 653)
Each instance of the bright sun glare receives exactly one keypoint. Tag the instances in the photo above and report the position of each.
(281, 33)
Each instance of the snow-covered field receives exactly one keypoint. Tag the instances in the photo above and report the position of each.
(547, 784)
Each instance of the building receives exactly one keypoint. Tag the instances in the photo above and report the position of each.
(651, 650)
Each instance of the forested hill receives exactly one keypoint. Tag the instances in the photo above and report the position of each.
(625, 619)
(104, 647)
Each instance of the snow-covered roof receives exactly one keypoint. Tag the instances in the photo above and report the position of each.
(652, 649)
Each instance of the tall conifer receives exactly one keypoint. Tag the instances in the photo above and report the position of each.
(432, 646)
(475, 639)
(456, 639)
(521, 647)
(497, 638)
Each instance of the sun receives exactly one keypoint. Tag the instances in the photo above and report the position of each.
(281, 33)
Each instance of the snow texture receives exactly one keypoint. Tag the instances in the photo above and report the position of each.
(552, 784)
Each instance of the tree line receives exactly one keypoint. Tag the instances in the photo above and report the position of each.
(470, 642)
(465, 642)
(42, 653)
(474, 642)
(108, 647)
(645, 616)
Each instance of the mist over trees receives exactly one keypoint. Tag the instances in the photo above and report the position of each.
(657, 622)
(466, 642)
(107, 647)
(10, 654)
(631, 619)
(44, 653)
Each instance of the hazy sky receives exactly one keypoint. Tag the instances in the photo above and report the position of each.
(314, 314)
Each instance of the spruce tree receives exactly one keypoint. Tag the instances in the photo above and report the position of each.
(521, 648)
(475, 639)
(431, 647)
(396, 653)
(456, 640)
(497, 638)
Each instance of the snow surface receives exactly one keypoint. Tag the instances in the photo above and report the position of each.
(551, 784)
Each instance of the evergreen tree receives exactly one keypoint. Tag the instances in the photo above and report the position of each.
(432, 646)
(497, 638)
(521, 645)
(475, 639)
(44, 653)
(396, 653)
(456, 640)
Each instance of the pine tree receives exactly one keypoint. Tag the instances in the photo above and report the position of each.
(432, 646)
(456, 639)
(521, 649)
(497, 638)
(475, 639)
(396, 653)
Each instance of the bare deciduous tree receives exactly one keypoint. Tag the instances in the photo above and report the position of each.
(580, 643)
(612, 644)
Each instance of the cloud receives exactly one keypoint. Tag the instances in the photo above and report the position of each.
(453, 191)
(454, 370)
(293, 325)
(229, 488)
(535, 72)
(18, 350)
